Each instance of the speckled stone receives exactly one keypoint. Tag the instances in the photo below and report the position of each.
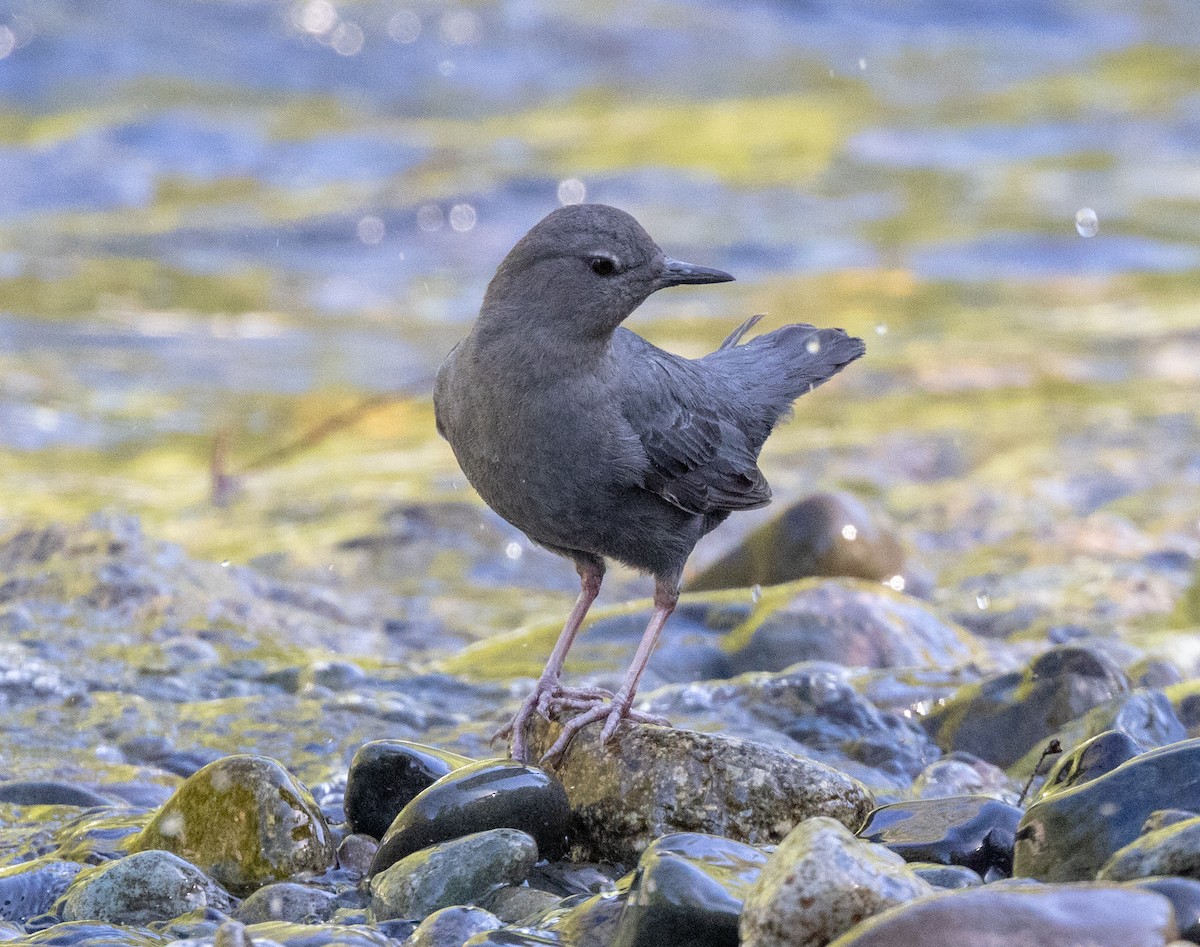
(819, 883)
(245, 821)
(451, 927)
(653, 781)
(1009, 915)
(140, 888)
(458, 872)
(286, 901)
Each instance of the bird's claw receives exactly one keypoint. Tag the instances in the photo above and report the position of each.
(612, 713)
(548, 698)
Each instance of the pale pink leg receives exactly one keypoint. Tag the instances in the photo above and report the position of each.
(666, 595)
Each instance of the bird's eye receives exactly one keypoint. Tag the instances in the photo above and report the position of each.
(602, 266)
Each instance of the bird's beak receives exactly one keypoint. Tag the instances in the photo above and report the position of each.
(676, 273)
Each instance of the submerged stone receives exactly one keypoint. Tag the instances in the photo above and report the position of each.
(457, 872)
(49, 793)
(946, 876)
(688, 891)
(1068, 836)
(490, 794)
(1057, 915)
(452, 926)
(31, 888)
(977, 832)
(652, 781)
(244, 820)
(318, 935)
(286, 901)
(820, 882)
(1173, 849)
(384, 777)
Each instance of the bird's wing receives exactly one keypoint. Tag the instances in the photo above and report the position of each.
(697, 457)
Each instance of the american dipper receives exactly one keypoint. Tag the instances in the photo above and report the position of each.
(598, 445)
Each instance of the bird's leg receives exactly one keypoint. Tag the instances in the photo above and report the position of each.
(591, 574)
(666, 595)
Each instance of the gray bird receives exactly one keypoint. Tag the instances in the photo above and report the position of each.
(598, 445)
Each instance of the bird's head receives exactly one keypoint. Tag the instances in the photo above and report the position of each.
(585, 268)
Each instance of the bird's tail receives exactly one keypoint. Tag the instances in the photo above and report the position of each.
(771, 371)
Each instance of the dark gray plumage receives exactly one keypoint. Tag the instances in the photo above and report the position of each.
(597, 444)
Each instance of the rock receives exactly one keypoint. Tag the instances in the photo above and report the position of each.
(977, 832)
(946, 876)
(92, 934)
(20, 792)
(507, 937)
(515, 904)
(245, 821)
(31, 888)
(286, 901)
(1002, 718)
(1101, 754)
(1037, 916)
(848, 623)
(356, 852)
(688, 891)
(1184, 895)
(964, 774)
(1069, 835)
(587, 922)
(820, 882)
(384, 777)
(451, 927)
(458, 872)
(140, 888)
(653, 781)
(490, 794)
(812, 709)
(1171, 850)
(275, 933)
(96, 836)
(827, 534)
(1146, 717)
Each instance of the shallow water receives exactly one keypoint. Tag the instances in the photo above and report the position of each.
(247, 217)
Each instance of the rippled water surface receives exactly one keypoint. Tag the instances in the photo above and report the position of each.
(248, 217)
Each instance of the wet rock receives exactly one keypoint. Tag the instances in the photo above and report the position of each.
(688, 891)
(1069, 835)
(31, 888)
(1058, 915)
(1161, 818)
(100, 835)
(244, 820)
(812, 710)
(49, 793)
(592, 922)
(507, 937)
(820, 882)
(1101, 754)
(827, 534)
(1146, 717)
(144, 887)
(92, 934)
(384, 777)
(355, 853)
(286, 901)
(653, 781)
(1184, 895)
(458, 872)
(964, 774)
(451, 927)
(1171, 850)
(852, 624)
(319, 935)
(1001, 719)
(977, 832)
(486, 795)
(515, 904)
(946, 876)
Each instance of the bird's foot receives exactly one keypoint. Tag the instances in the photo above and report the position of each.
(612, 714)
(549, 697)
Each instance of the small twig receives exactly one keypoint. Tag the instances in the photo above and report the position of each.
(1053, 748)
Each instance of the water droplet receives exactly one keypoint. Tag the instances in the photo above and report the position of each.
(1087, 223)
(172, 825)
(404, 26)
(896, 582)
(862, 65)
(755, 592)
(462, 217)
(982, 600)
(429, 217)
(447, 68)
(513, 550)
(850, 532)
(224, 563)
(371, 230)
(881, 328)
(459, 27)
(813, 345)
(571, 191)
(8, 41)
(347, 39)
(317, 17)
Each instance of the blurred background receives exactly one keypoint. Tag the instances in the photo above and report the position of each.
(224, 223)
